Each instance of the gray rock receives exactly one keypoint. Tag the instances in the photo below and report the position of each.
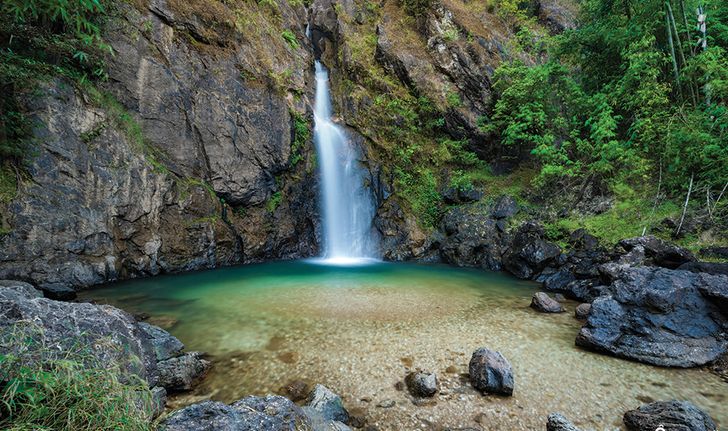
(112, 336)
(661, 253)
(491, 373)
(504, 207)
(544, 303)
(159, 401)
(12, 290)
(582, 311)
(165, 345)
(671, 415)
(421, 384)
(558, 281)
(707, 267)
(658, 316)
(472, 239)
(557, 422)
(271, 413)
(182, 372)
(328, 405)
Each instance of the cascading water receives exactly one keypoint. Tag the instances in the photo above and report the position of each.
(347, 205)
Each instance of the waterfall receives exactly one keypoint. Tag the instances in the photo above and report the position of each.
(347, 205)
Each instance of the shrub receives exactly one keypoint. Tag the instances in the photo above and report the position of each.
(290, 39)
(42, 388)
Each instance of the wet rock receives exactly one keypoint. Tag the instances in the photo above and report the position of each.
(491, 373)
(327, 404)
(559, 297)
(660, 253)
(582, 311)
(670, 415)
(58, 292)
(504, 207)
(544, 303)
(182, 372)
(584, 290)
(557, 422)
(271, 413)
(658, 316)
(529, 253)
(165, 345)
(707, 267)
(421, 384)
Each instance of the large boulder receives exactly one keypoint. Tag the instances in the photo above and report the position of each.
(112, 336)
(658, 316)
(659, 252)
(529, 253)
(491, 373)
(271, 413)
(471, 237)
(670, 415)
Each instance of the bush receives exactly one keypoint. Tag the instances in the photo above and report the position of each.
(42, 388)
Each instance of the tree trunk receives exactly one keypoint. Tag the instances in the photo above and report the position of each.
(685, 207)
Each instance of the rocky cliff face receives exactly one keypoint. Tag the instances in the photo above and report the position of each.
(186, 158)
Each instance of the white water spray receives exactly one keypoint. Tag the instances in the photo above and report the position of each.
(347, 205)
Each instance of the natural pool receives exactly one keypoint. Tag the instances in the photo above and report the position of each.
(359, 329)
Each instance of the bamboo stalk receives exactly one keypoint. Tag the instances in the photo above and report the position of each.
(672, 51)
(685, 207)
(671, 17)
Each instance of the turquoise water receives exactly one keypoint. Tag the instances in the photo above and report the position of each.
(360, 329)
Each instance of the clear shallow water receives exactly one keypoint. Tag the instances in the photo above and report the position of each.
(360, 329)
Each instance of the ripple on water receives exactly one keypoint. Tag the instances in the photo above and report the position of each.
(359, 330)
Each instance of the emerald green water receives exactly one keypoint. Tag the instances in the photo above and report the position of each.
(360, 329)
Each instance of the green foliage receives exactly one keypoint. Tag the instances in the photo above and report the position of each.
(417, 8)
(453, 99)
(44, 388)
(301, 136)
(290, 39)
(272, 204)
(608, 109)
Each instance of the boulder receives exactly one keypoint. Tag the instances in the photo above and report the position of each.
(504, 207)
(421, 384)
(581, 239)
(670, 415)
(112, 336)
(471, 238)
(717, 252)
(707, 267)
(529, 253)
(182, 372)
(558, 281)
(544, 303)
(326, 404)
(58, 291)
(271, 413)
(557, 422)
(165, 345)
(658, 316)
(582, 311)
(491, 373)
(659, 252)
